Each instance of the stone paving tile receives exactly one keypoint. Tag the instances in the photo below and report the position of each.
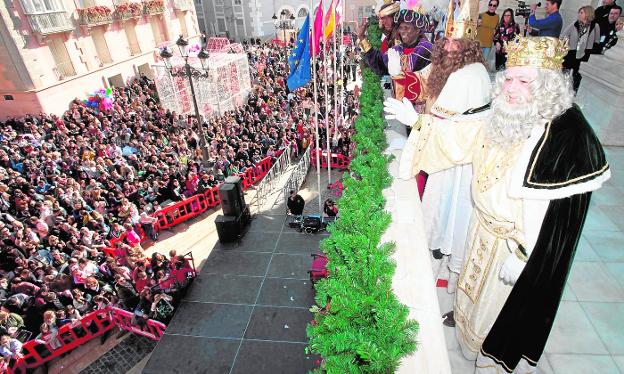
(123, 357)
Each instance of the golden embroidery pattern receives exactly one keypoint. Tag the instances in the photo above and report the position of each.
(489, 174)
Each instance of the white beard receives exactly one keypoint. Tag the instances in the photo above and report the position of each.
(511, 123)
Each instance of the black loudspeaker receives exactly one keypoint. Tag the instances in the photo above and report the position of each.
(230, 200)
(228, 228)
(238, 182)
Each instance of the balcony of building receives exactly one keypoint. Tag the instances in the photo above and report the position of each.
(183, 5)
(153, 7)
(47, 17)
(128, 10)
(95, 15)
(50, 22)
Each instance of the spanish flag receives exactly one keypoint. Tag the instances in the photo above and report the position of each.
(330, 20)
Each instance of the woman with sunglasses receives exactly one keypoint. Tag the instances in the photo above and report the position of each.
(507, 30)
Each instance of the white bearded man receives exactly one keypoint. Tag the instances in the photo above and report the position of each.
(536, 161)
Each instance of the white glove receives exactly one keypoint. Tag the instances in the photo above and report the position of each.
(394, 62)
(402, 111)
(511, 269)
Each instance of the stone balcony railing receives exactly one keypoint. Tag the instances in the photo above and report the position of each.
(52, 22)
(183, 5)
(95, 15)
(152, 7)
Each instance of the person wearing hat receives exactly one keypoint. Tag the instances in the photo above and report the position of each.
(374, 57)
(536, 161)
(456, 84)
(412, 55)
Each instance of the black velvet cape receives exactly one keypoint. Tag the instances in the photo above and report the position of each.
(570, 156)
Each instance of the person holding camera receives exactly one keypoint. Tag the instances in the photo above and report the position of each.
(549, 26)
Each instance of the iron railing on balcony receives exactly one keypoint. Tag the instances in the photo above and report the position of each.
(128, 10)
(151, 7)
(50, 22)
(183, 4)
(134, 47)
(95, 15)
(64, 70)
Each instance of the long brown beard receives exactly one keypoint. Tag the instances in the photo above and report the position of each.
(444, 63)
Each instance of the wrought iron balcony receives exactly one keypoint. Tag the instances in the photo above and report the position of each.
(128, 10)
(95, 15)
(152, 7)
(50, 22)
(183, 5)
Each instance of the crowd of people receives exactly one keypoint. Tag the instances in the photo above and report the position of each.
(593, 32)
(71, 185)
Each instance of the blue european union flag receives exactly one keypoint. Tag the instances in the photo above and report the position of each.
(299, 58)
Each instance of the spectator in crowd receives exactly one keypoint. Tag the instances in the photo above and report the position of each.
(608, 28)
(506, 30)
(603, 11)
(10, 347)
(488, 21)
(584, 38)
(549, 26)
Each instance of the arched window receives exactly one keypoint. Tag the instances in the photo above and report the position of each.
(303, 12)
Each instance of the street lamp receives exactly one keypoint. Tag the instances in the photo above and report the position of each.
(284, 23)
(190, 72)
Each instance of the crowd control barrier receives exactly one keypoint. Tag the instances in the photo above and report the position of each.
(337, 160)
(37, 352)
(151, 329)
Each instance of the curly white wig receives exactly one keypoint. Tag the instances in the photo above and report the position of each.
(551, 95)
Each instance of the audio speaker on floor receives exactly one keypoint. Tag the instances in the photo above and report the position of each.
(228, 228)
(238, 182)
(230, 200)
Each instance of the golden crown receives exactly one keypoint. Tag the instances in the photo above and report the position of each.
(540, 52)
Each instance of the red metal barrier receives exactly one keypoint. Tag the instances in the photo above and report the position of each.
(337, 160)
(69, 337)
(123, 319)
(181, 211)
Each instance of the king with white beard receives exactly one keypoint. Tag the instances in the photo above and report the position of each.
(535, 162)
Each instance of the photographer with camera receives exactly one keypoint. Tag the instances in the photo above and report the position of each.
(549, 26)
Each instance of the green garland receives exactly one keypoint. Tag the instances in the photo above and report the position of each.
(359, 325)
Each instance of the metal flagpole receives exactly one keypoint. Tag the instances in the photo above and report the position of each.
(342, 62)
(315, 108)
(327, 110)
(335, 76)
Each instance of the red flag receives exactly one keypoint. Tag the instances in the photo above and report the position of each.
(318, 29)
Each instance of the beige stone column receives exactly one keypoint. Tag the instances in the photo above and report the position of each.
(601, 94)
